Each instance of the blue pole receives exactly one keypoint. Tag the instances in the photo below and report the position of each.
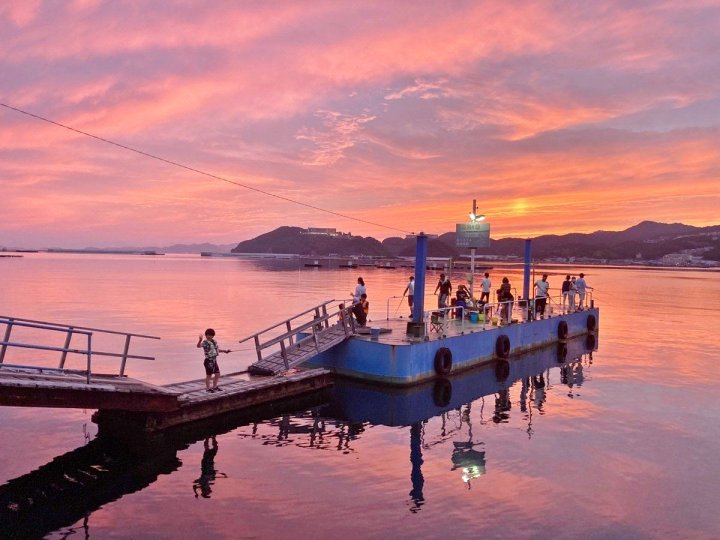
(420, 263)
(526, 276)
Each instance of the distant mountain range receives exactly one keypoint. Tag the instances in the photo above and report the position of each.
(175, 248)
(670, 243)
(673, 244)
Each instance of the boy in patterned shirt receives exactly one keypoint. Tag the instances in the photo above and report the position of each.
(212, 371)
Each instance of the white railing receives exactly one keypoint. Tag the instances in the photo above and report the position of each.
(70, 331)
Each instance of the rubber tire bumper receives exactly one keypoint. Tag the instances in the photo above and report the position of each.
(502, 346)
(443, 361)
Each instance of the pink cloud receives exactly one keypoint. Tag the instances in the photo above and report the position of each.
(593, 117)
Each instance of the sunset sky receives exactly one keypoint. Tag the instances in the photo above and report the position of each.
(556, 116)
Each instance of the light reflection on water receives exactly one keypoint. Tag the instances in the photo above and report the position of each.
(620, 445)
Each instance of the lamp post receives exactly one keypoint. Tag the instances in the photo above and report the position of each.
(474, 218)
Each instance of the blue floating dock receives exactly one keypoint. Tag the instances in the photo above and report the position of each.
(396, 358)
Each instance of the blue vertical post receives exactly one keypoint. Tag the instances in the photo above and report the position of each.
(526, 275)
(420, 264)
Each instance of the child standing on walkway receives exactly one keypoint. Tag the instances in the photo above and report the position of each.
(212, 370)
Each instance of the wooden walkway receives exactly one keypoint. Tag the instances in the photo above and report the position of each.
(49, 387)
(151, 407)
(195, 403)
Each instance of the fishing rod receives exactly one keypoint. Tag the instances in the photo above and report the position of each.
(398, 306)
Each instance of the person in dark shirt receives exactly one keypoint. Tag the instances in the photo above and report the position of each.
(360, 309)
(445, 288)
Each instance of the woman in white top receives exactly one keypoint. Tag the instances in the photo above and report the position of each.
(359, 290)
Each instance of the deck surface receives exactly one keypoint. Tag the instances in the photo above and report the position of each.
(194, 392)
(40, 387)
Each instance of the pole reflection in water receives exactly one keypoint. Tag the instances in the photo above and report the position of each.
(416, 476)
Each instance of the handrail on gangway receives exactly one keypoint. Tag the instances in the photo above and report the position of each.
(319, 322)
(70, 330)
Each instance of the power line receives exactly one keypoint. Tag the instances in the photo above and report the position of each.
(198, 171)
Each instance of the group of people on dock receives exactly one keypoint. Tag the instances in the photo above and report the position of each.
(574, 292)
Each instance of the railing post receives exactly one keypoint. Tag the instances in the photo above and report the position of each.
(315, 338)
(125, 353)
(283, 353)
(257, 348)
(89, 356)
(324, 313)
(347, 321)
(289, 328)
(8, 329)
(68, 339)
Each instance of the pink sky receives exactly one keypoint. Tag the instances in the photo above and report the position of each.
(557, 117)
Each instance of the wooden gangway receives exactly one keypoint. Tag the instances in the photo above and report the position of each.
(59, 386)
(127, 402)
(300, 338)
(23, 386)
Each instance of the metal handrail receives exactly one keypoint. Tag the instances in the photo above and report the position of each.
(11, 322)
(319, 322)
(287, 321)
(387, 305)
(61, 325)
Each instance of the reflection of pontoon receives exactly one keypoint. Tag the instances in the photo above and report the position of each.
(356, 401)
(391, 406)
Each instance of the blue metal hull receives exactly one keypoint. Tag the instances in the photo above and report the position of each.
(414, 362)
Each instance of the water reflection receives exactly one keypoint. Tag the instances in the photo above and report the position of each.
(439, 414)
(203, 485)
(72, 486)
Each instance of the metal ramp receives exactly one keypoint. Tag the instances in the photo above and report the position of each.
(303, 336)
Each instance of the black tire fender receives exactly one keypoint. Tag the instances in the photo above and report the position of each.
(590, 342)
(443, 361)
(502, 346)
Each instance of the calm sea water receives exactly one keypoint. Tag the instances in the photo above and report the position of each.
(622, 443)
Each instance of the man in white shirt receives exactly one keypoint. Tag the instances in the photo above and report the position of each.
(542, 287)
(410, 291)
(485, 286)
(581, 287)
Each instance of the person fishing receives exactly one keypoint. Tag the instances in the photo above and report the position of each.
(211, 349)
(445, 288)
(410, 291)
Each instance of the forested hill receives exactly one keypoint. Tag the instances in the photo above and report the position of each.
(297, 240)
(645, 241)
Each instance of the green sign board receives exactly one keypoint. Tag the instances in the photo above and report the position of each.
(472, 235)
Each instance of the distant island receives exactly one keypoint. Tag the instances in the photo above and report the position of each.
(648, 242)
